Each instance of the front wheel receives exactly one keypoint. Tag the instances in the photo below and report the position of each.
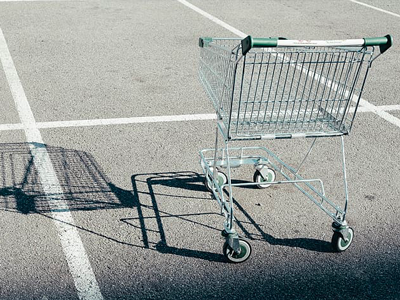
(237, 257)
(339, 244)
(221, 179)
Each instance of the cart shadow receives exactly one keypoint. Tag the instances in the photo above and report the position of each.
(84, 184)
(148, 184)
(304, 243)
(148, 211)
(85, 187)
(165, 249)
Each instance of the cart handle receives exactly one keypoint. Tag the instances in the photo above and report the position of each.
(249, 42)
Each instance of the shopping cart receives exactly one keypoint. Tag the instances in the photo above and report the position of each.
(273, 88)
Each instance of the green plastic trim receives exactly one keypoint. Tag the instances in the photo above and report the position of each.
(250, 42)
(384, 42)
(204, 41)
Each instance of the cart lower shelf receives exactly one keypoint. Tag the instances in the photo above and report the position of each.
(266, 165)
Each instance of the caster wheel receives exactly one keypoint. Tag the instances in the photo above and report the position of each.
(339, 244)
(264, 175)
(222, 179)
(243, 255)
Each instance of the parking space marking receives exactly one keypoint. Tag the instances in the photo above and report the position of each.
(376, 8)
(389, 107)
(10, 127)
(78, 262)
(383, 114)
(363, 103)
(154, 119)
(214, 19)
(121, 121)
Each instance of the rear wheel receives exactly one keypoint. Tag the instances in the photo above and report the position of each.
(264, 176)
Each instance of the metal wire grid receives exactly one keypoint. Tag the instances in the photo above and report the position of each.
(216, 72)
(275, 92)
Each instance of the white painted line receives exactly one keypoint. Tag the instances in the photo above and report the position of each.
(380, 108)
(388, 117)
(120, 121)
(389, 107)
(114, 121)
(78, 262)
(214, 19)
(155, 119)
(9, 127)
(383, 114)
(376, 8)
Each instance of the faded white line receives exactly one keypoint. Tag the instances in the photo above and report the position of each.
(389, 107)
(376, 8)
(214, 19)
(156, 119)
(388, 117)
(78, 262)
(121, 121)
(383, 114)
(113, 121)
(379, 108)
(10, 127)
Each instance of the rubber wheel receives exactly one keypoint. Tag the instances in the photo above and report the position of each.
(339, 244)
(222, 179)
(232, 256)
(258, 178)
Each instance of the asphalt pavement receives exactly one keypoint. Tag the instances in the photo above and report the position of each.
(133, 219)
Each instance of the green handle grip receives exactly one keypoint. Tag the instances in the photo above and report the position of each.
(204, 41)
(250, 42)
(384, 42)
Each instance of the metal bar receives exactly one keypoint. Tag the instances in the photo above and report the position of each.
(344, 180)
(308, 97)
(350, 97)
(274, 182)
(328, 117)
(302, 93)
(339, 99)
(276, 92)
(297, 88)
(249, 90)
(312, 188)
(316, 91)
(232, 99)
(215, 171)
(262, 92)
(241, 93)
(308, 153)
(289, 94)
(283, 94)
(269, 93)
(230, 220)
(256, 90)
(320, 78)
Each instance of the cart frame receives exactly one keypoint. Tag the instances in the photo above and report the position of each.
(273, 88)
